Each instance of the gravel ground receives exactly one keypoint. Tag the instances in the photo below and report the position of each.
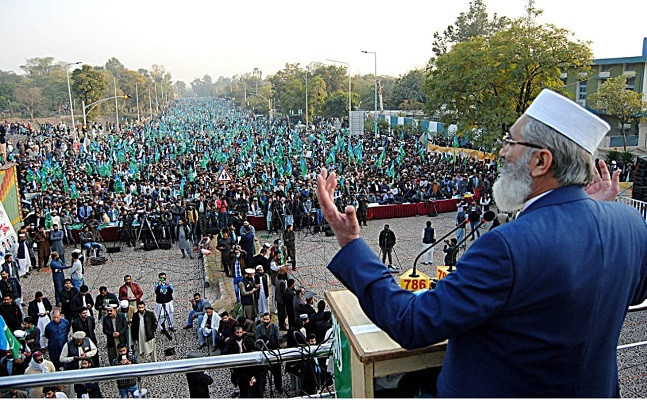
(314, 251)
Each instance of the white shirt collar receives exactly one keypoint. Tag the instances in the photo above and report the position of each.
(532, 200)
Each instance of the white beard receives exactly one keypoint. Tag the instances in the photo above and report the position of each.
(514, 185)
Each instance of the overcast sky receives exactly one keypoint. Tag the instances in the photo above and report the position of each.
(225, 37)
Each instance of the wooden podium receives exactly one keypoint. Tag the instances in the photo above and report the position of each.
(363, 352)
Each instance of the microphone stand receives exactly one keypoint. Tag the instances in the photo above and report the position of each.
(487, 217)
(414, 274)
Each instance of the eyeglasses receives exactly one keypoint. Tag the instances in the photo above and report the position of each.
(507, 139)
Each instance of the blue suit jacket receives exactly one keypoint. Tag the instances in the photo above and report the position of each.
(534, 308)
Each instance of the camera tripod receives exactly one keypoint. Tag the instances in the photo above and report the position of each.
(395, 255)
(162, 319)
(141, 228)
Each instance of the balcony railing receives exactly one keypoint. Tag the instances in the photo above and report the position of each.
(165, 367)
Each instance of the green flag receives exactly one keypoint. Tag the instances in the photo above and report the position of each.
(8, 341)
(380, 159)
(390, 170)
(66, 186)
(31, 177)
(304, 168)
(401, 155)
(74, 193)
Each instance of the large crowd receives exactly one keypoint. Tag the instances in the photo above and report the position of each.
(164, 175)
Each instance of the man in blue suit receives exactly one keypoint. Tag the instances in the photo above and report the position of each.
(535, 307)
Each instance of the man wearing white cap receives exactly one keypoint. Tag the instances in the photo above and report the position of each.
(535, 307)
(77, 349)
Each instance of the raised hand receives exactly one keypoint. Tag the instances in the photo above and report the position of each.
(604, 186)
(345, 225)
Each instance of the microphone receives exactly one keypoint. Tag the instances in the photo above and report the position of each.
(487, 217)
(472, 217)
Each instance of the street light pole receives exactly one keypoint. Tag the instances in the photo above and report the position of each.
(349, 96)
(116, 105)
(306, 99)
(89, 107)
(137, 99)
(269, 108)
(375, 115)
(69, 90)
(150, 101)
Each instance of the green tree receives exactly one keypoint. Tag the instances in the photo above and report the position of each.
(54, 90)
(336, 105)
(259, 104)
(615, 100)
(133, 83)
(115, 67)
(202, 87)
(39, 66)
(317, 95)
(182, 89)
(8, 83)
(163, 81)
(29, 98)
(408, 90)
(88, 85)
(289, 86)
(470, 24)
(484, 84)
(336, 77)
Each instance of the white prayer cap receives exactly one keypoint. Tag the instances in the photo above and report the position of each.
(78, 335)
(124, 303)
(19, 333)
(569, 118)
(249, 270)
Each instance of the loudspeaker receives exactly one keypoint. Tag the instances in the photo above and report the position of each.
(164, 244)
(113, 249)
(639, 191)
(148, 246)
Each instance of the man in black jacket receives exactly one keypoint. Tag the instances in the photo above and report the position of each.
(142, 331)
(66, 296)
(250, 380)
(104, 298)
(289, 239)
(198, 381)
(115, 327)
(11, 313)
(81, 301)
(387, 241)
(288, 301)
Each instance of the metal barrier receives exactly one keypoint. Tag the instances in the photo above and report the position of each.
(641, 206)
(164, 367)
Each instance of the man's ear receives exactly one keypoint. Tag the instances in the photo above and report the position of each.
(541, 163)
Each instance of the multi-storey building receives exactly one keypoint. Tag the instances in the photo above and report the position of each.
(583, 85)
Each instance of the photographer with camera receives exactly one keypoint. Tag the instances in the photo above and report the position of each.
(164, 299)
(448, 248)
